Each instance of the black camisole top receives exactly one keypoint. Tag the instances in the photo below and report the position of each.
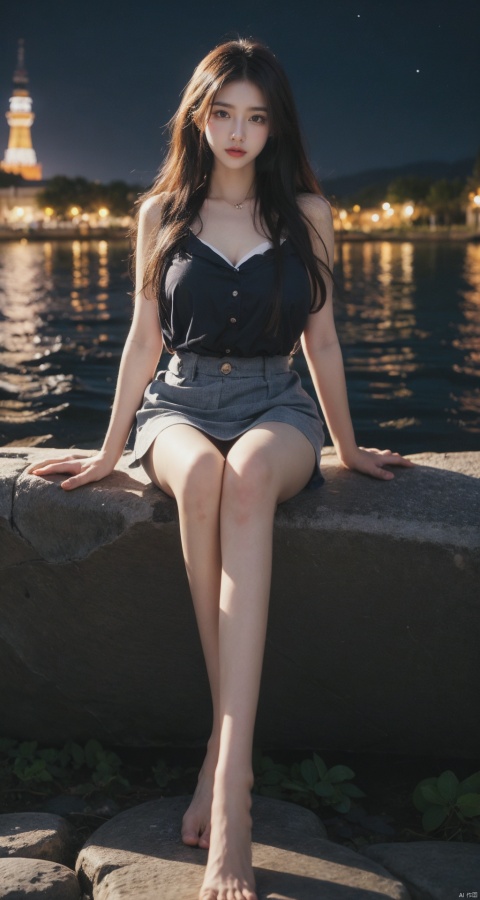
(214, 308)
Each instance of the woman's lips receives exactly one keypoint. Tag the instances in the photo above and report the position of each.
(233, 151)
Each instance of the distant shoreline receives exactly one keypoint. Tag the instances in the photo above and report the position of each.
(116, 234)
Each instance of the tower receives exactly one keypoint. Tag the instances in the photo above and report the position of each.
(20, 157)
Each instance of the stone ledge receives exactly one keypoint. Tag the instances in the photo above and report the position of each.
(374, 583)
(83, 520)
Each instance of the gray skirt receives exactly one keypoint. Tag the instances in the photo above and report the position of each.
(226, 397)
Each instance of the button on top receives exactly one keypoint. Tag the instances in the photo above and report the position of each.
(234, 293)
(233, 320)
(227, 350)
(226, 369)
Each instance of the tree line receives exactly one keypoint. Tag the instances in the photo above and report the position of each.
(445, 199)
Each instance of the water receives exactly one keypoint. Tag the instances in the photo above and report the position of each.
(408, 319)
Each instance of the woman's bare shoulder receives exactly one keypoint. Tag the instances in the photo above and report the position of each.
(315, 206)
(151, 208)
(318, 213)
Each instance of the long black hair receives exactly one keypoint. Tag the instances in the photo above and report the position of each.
(282, 168)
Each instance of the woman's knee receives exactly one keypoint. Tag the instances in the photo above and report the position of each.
(200, 485)
(248, 486)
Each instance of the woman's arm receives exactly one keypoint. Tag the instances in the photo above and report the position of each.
(325, 362)
(140, 356)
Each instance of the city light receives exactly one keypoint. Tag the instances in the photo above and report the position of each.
(74, 211)
(408, 210)
(356, 208)
(385, 206)
(103, 212)
(343, 214)
(476, 199)
(375, 217)
(49, 211)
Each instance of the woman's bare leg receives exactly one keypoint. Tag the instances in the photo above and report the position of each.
(267, 465)
(188, 466)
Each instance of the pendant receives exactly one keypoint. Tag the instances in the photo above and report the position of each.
(238, 206)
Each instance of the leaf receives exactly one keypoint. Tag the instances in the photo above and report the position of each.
(343, 806)
(469, 805)
(339, 773)
(418, 799)
(432, 794)
(37, 771)
(433, 817)
(320, 765)
(324, 789)
(472, 783)
(50, 755)
(295, 786)
(447, 784)
(309, 772)
(351, 790)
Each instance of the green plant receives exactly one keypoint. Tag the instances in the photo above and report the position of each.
(449, 802)
(309, 782)
(164, 774)
(24, 763)
(104, 766)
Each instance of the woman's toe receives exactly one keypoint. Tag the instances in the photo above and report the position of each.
(204, 839)
(190, 837)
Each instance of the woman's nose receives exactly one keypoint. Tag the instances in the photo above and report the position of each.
(238, 133)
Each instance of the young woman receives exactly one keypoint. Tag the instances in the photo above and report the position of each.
(234, 256)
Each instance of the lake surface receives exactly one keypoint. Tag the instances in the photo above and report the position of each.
(408, 319)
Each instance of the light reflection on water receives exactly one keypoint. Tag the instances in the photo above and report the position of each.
(408, 318)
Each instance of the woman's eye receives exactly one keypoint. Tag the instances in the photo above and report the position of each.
(260, 120)
(221, 113)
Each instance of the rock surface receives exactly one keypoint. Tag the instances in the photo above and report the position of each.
(373, 630)
(140, 854)
(38, 835)
(32, 878)
(432, 870)
(153, 830)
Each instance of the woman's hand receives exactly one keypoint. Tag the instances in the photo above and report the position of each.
(372, 462)
(83, 469)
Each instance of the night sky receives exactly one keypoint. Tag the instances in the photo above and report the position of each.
(377, 82)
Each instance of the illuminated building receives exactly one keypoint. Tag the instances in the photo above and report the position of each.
(20, 157)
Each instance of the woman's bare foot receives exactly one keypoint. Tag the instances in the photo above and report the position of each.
(196, 822)
(229, 873)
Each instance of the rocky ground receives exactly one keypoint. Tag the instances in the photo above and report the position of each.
(128, 845)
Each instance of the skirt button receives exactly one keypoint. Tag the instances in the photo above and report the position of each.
(226, 369)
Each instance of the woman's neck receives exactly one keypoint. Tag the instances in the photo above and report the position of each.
(232, 185)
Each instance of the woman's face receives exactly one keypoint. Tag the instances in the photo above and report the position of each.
(238, 126)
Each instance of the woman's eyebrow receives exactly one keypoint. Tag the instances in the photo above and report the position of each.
(231, 105)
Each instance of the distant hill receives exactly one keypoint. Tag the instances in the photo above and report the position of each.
(348, 185)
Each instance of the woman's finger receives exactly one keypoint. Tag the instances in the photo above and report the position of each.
(49, 462)
(87, 475)
(74, 481)
(52, 468)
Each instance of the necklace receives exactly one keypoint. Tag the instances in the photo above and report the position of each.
(236, 205)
